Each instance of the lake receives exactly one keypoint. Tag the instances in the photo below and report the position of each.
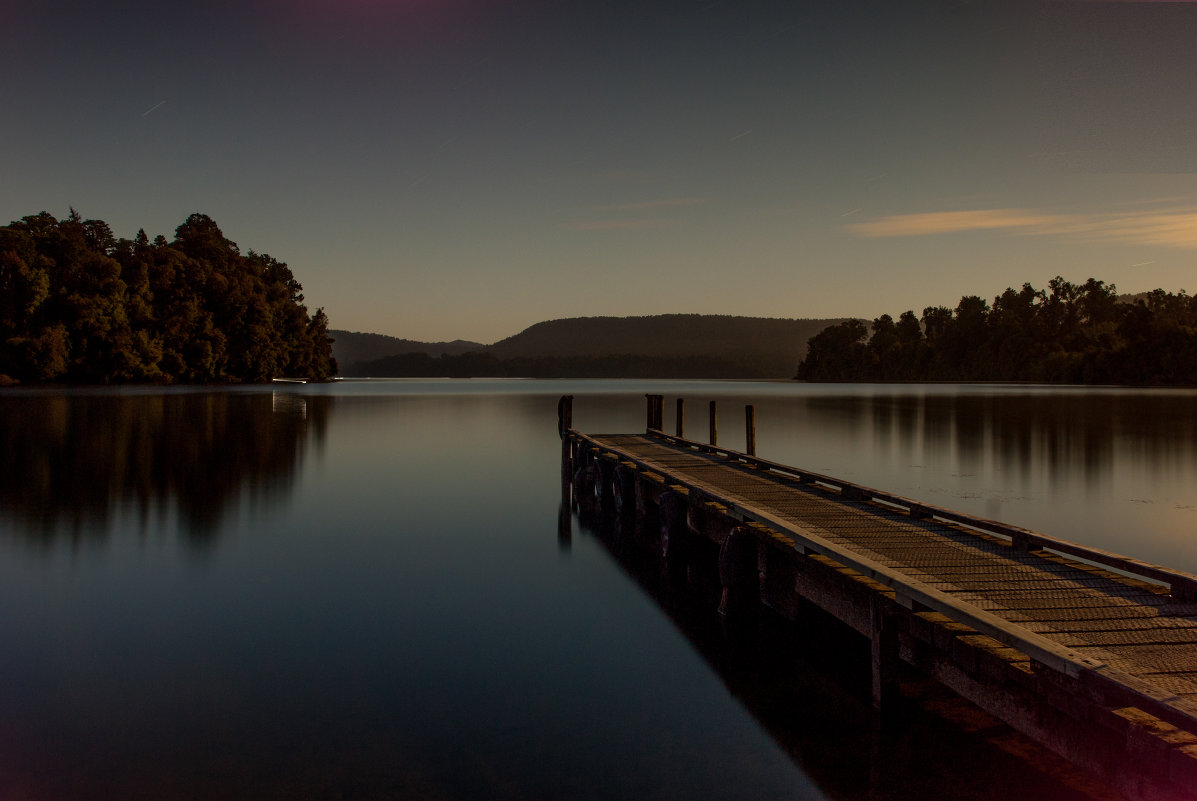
(363, 590)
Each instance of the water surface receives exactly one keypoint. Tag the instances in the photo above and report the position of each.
(361, 590)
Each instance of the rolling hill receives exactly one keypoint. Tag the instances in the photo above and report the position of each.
(669, 345)
(352, 347)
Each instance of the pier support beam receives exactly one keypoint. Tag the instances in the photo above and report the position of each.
(738, 572)
(624, 483)
(884, 636)
(565, 517)
(604, 480)
(671, 506)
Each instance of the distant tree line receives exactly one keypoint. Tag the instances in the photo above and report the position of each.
(488, 365)
(1069, 333)
(78, 305)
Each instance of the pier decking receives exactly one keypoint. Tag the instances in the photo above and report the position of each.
(1092, 654)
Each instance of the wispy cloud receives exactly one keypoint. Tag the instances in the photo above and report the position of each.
(650, 205)
(616, 225)
(1170, 227)
(636, 215)
(947, 222)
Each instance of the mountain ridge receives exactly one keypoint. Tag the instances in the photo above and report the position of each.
(350, 347)
(700, 345)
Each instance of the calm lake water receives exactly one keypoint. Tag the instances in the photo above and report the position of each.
(362, 591)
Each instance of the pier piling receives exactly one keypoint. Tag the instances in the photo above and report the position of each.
(714, 413)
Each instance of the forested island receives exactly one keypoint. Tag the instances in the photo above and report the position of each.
(1067, 334)
(78, 305)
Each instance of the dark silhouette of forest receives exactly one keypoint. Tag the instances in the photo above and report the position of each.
(78, 305)
(1067, 334)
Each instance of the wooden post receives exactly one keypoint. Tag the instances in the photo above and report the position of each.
(656, 412)
(565, 415)
(750, 430)
(714, 425)
(681, 417)
(565, 516)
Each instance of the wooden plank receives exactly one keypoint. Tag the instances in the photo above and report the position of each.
(1184, 585)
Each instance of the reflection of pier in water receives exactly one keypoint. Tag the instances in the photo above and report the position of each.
(809, 689)
(1098, 666)
(289, 404)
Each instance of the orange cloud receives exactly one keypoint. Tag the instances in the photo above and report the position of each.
(1170, 227)
(947, 222)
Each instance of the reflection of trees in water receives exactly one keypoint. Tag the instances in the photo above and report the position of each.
(1062, 433)
(69, 463)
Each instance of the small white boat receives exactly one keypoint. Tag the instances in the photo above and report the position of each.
(289, 380)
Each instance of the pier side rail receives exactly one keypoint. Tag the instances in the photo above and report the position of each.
(1099, 676)
(1182, 586)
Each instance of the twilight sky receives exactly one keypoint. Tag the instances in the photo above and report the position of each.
(441, 169)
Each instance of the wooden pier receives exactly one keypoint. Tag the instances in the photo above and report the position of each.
(1091, 654)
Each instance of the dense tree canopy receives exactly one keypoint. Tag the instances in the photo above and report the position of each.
(1068, 333)
(79, 305)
